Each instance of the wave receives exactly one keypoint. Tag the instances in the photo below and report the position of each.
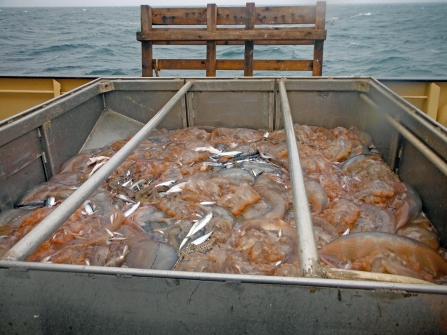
(60, 48)
(107, 72)
(362, 14)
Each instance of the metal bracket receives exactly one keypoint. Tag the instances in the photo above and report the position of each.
(106, 86)
(363, 86)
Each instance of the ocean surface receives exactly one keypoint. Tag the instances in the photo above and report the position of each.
(381, 40)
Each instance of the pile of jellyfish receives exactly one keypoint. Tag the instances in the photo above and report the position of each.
(219, 200)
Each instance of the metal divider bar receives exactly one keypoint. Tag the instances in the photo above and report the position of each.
(307, 247)
(28, 244)
(423, 149)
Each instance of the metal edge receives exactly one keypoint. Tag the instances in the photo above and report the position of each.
(256, 279)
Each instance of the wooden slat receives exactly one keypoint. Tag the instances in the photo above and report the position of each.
(249, 45)
(146, 46)
(235, 64)
(231, 34)
(235, 15)
(318, 48)
(211, 14)
(179, 16)
(285, 15)
(260, 42)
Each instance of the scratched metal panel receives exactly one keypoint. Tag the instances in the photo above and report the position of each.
(110, 128)
(18, 168)
(142, 104)
(327, 109)
(67, 133)
(230, 109)
(20, 152)
(43, 302)
(430, 184)
(17, 184)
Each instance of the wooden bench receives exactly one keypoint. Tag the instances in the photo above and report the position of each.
(272, 25)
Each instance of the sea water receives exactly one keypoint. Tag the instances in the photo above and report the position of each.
(381, 40)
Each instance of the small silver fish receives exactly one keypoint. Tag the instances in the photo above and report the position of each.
(177, 188)
(131, 210)
(196, 227)
(51, 201)
(207, 203)
(109, 232)
(96, 159)
(200, 224)
(227, 154)
(88, 208)
(127, 183)
(138, 185)
(125, 198)
(202, 239)
(168, 183)
(264, 156)
(113, 218)
(208, 148)
(96, 168)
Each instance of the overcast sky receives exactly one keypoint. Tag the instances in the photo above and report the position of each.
(99, 3)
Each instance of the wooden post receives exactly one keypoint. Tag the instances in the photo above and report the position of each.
(318, 45)
(211, 20)
(249, 45)
(146, 46)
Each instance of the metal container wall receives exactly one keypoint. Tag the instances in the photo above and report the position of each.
(46, 298)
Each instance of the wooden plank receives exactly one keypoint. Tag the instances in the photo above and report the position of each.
(231, 34)
(179, 16)
(211, 14)
(146, 46)
(285, 15)
(235, 64)
(260, 42)
(318, 48)
(249, 45)
(235, 15)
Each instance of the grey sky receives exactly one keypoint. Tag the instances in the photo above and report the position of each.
(99, 3)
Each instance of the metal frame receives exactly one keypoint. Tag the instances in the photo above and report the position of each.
(58, 298)
(308, 253)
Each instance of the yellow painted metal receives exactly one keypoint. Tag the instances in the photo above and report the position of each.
(21, 93)
(442, 115)
(429, 97)
(431, 105)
